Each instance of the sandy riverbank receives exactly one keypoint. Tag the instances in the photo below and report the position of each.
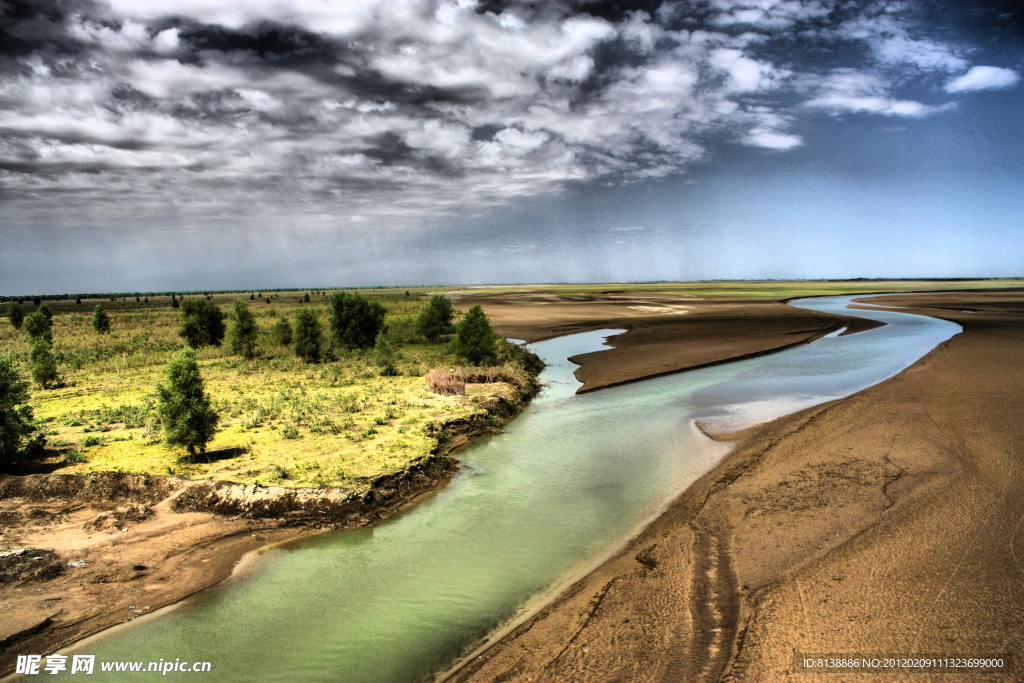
(886, 522)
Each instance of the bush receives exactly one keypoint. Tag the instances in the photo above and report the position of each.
(384, 352)
(355, 321)
(15, 314)
(290, 432)
(446, 383)
(242, 338)
(15, 413)
(174, 301)
(78, 301)
(308, 335)
(36, 301)
(100, 320)
(44, 367)
(188, 418)
(474, 337)
(436, 318)
(283, 331)
(39, 326)
(202, 323)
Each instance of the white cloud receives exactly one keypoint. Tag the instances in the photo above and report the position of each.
(430, 107)
(772, 140)
(983, 78)
(852, 91)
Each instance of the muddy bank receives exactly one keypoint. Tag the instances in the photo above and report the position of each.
(885, 522)
(109, 542)
(664, 334)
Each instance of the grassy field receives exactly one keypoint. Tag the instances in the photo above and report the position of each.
(336, 423)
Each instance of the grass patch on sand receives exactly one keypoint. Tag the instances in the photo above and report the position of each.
(282, 421)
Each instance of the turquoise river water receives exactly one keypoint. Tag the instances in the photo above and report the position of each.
(571, 479)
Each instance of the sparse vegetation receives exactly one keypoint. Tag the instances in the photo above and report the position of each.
(343, 422)
(446, 383)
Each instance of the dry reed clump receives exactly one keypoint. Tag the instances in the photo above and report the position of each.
(446, 383)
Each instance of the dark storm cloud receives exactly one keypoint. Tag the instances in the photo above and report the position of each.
(385, 115)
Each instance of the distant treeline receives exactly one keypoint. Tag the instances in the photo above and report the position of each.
(206, 292)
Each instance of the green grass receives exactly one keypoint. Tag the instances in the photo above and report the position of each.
(283, 421)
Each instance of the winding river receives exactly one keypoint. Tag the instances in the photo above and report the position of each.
(569, 481)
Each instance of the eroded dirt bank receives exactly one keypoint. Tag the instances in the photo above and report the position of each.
(887, 522)
(81, 550)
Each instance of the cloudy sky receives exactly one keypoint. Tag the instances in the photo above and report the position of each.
(192, 144)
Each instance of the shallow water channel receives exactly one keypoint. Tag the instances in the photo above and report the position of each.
(570, 480)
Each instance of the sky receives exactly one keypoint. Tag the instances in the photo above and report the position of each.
(154, 145)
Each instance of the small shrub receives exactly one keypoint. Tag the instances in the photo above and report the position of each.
(92, 441)
(308, 335)
(242, 338)
(446, 383)
(355, 321)
(74, 457)
(44, 367)
(290, 432)
(100, 320)
(15, 314)
(202, 323)
(283, 331)
(436, 318)
(474, 337)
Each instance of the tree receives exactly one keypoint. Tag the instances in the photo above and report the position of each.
(474, 336)
(78, 301)
(355, 321)
(306, 298)
(436, 318)
(39, 326)
(100, 320)
(44, 367)
(384, 355)
(36, 301)
(15, 413)
(174, 301)
(202, 323)
(16, 314)
(308, 335)
(188, 418)
(252, 297)
(242, 338)
(283, 331)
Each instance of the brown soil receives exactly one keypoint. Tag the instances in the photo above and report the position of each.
(665, 334)
(887, 522)
(149, 541)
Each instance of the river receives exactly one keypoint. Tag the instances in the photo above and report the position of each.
(571, 479)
